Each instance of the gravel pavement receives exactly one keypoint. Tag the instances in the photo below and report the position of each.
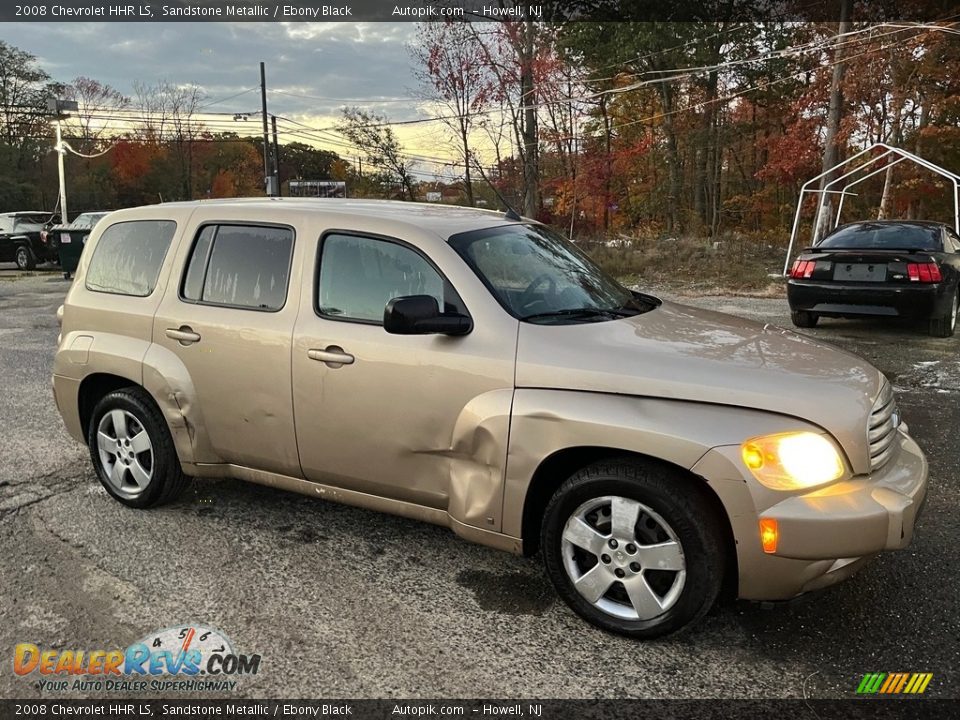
(346, 602)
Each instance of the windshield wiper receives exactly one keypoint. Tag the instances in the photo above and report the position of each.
(585, 312)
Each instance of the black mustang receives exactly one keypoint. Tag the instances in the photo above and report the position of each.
(897, 268)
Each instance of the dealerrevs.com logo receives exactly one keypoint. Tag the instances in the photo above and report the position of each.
(184, 658)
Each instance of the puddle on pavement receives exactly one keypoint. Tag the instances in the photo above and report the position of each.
(511, 593)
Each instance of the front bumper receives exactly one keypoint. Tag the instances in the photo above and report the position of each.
(825, 535)
(855, 299)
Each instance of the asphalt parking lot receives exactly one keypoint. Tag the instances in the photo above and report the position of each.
(342, 602)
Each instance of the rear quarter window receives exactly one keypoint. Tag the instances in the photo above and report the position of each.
(128, 257)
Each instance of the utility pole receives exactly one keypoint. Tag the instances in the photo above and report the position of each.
(276, 154)
(831, 152)
(60, 109)
(267, 175)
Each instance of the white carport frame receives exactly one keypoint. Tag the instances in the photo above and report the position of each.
(889, 150)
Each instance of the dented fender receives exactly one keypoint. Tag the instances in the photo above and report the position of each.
(478, 455)
(167, 379)
(545, 422)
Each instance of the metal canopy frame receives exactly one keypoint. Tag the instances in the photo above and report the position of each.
(888, 151)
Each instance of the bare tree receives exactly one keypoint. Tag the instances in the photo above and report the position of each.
(99, 105)
(168, 114)
(379, 144)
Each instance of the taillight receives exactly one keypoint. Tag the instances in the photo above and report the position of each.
(43, 236)
(924, 272)
(802, 268)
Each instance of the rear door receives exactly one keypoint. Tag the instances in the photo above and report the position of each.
(229, 317)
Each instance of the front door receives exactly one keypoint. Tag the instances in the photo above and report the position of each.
(418, 418)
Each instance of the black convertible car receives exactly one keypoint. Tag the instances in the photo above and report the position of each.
(895, 268)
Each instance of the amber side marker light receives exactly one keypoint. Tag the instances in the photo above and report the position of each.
(769, 534)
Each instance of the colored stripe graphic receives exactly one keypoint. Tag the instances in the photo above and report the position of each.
(871, 683)
(894, 683)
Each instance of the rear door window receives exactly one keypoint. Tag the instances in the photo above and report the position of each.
(244, 266)
(128, 257)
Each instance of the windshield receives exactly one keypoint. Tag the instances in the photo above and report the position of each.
(30, 223)
(884, 236)
(538, 276)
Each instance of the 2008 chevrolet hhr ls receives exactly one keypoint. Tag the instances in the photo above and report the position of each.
(480, 372)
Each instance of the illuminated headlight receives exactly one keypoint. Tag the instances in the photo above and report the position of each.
(792, 461)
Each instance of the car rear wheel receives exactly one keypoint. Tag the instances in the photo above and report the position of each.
(633, 547)
(25, 259)
(804, 318)
(132, 450)
(946, 325)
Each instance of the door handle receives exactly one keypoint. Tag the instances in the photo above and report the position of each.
(184, 335)
(332, 355)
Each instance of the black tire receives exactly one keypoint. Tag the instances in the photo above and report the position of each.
(804, 318)
(945, 325)
(24, 258)
(676, 499)
(167, 479)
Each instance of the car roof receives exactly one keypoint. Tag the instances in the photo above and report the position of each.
(919, 223)
(445, 220)
(27, 212)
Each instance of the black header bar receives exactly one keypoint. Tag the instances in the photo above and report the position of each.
(474, 10)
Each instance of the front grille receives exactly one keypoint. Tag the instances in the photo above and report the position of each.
(882, 427)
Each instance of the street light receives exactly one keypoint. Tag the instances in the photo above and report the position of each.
(61, 109)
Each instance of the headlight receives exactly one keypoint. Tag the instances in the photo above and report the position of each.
(792, 461)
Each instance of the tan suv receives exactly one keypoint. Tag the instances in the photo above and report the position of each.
(478, 372)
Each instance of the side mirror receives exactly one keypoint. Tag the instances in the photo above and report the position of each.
(420, 315)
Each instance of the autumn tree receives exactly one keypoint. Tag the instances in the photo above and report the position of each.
(514, 52)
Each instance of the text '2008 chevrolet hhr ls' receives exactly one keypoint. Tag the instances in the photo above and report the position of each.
(480, 372)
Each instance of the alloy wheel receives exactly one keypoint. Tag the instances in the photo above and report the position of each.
(126, 452)
(623, 558)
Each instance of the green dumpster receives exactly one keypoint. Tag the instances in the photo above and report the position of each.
(70, 246)
(68, 240)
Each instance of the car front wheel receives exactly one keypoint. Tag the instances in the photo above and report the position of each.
(633, 547)
(132, 450)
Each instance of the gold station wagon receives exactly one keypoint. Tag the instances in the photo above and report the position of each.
(478, 371)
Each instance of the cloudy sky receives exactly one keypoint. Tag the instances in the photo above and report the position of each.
(333, 63)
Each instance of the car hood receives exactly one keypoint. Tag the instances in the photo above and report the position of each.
(684, 353)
